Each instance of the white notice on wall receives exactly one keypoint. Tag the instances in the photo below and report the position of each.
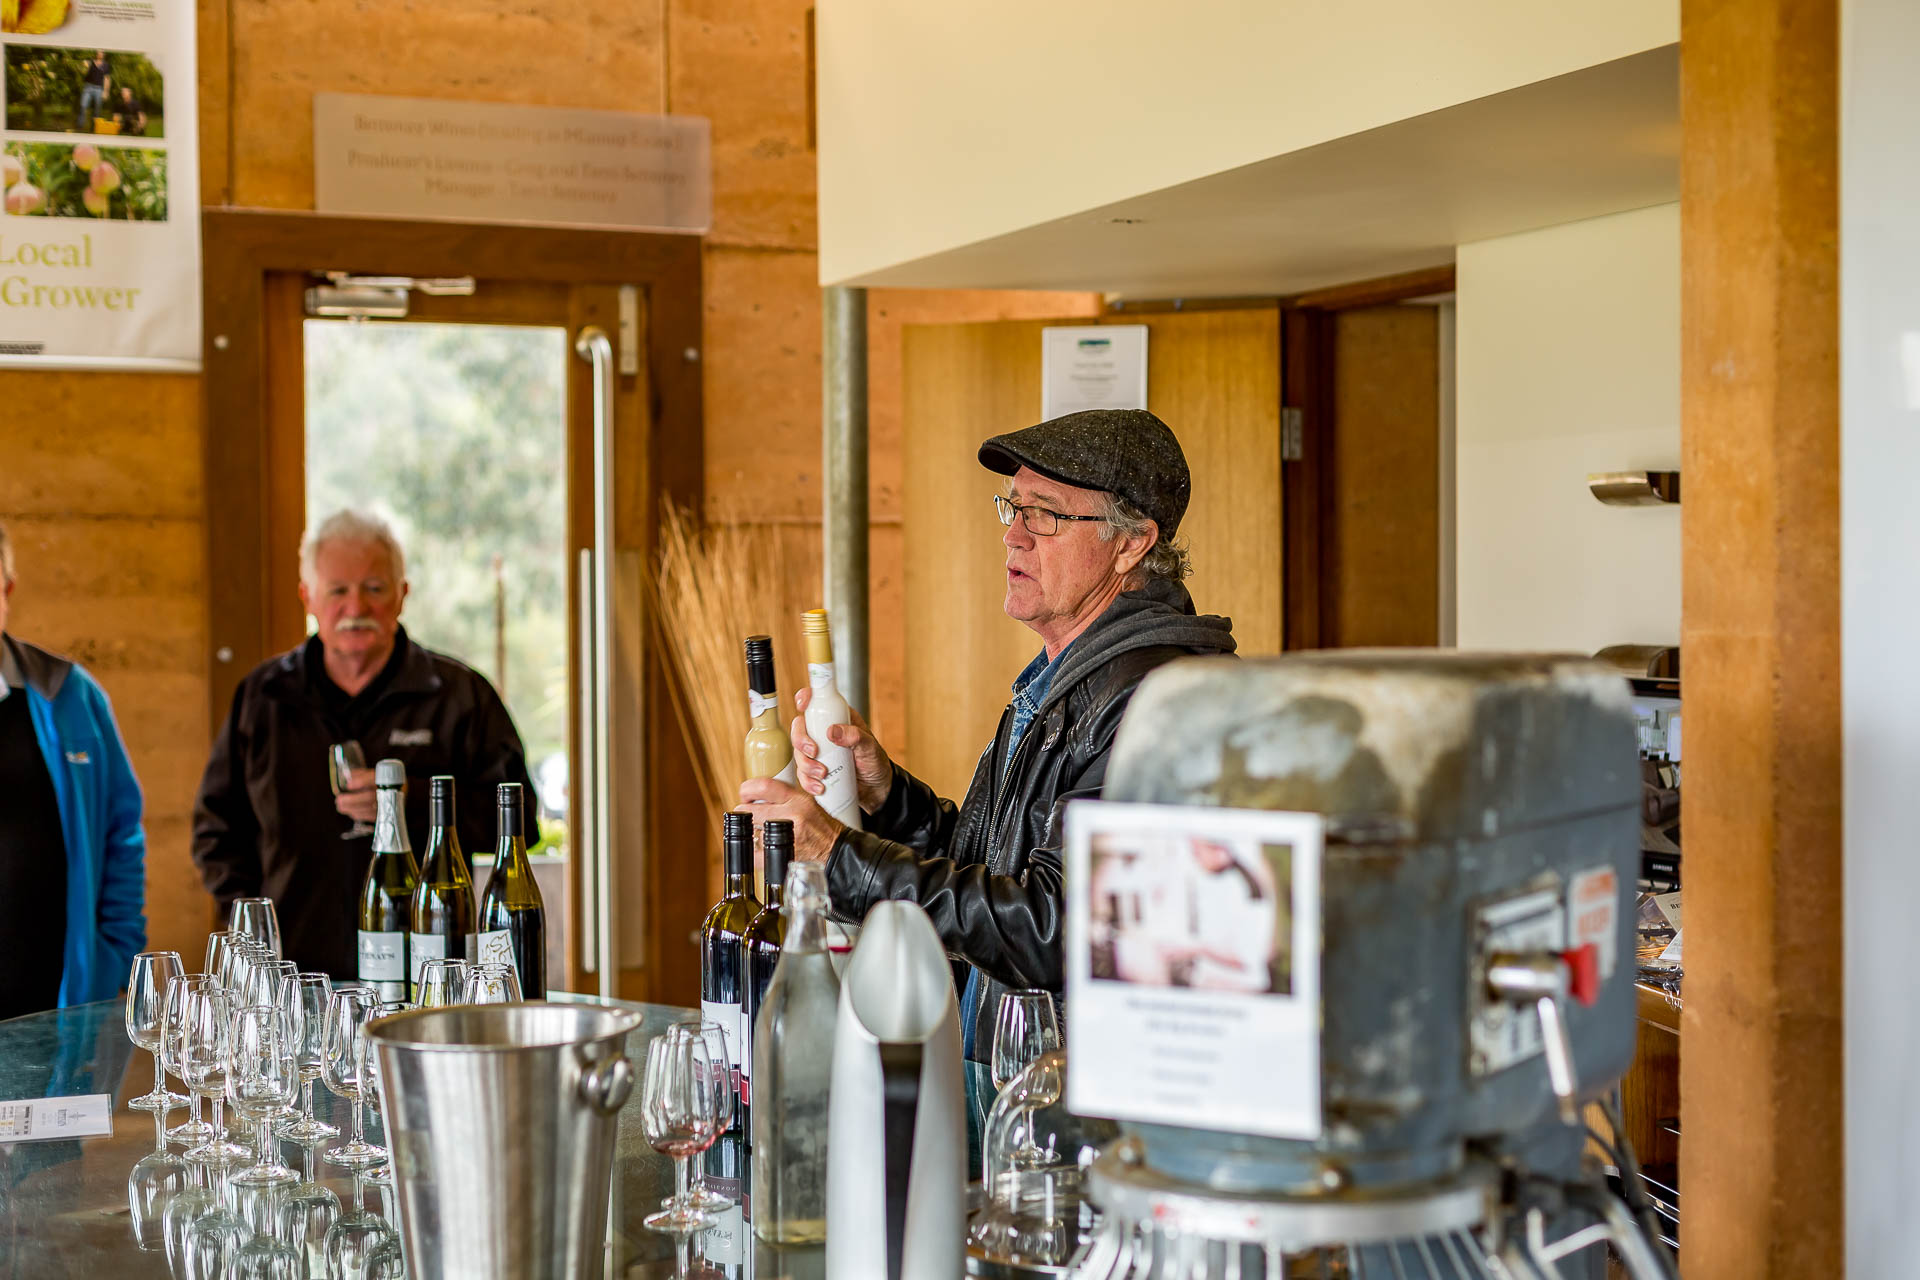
(1092, 366)
(1193, 966)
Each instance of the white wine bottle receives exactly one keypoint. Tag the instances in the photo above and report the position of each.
(386, 893)
(825, 709)
(443, 914)
(769, 751)
(792, 1069)
(513, 918)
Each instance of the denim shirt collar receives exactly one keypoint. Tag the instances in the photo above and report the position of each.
(1029, 692)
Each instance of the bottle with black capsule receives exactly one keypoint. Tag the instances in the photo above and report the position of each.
(723, 975)
(443, 911)
(760, 947)
(513, 917)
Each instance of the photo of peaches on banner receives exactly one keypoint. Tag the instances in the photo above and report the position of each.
(99, 178)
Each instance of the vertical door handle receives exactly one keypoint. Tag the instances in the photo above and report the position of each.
(594, 346)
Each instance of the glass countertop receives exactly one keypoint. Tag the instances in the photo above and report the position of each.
(64, 1204)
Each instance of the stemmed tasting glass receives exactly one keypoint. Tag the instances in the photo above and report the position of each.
(677, 1112)
(266, 1256)
(442, 982)
(354, 1237)
(1024, 1028)
(156, 1179)
(344, 1068)
(153, 972)
(212, 1239)
(255, 918)
(173, 1033)
(262, 1078)
(342, 759)
(220, 945)
(305, 1214)
(304, 999)
(714, 1036)
(263, 985)
(493, 984)
(205, 1055)
(381, 1177)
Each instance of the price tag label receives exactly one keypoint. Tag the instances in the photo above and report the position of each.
(44, 1119)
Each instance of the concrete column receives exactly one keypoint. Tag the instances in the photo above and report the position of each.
(1762, 1162)
(843, 369)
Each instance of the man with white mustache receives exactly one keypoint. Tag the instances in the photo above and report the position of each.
(266, 822)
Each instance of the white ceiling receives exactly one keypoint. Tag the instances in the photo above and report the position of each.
(1597, 141)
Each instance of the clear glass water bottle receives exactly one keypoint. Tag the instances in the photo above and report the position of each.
(792, 1068)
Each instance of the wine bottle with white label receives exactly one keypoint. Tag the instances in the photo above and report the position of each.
(442, 914)
(723, 971)
(513, 917)
(825, 709)
(386, 894)
(769, 752)
(760, 946)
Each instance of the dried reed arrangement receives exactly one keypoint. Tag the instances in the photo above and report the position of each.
(714, 584)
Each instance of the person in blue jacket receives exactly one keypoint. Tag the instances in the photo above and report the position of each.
(73, 885)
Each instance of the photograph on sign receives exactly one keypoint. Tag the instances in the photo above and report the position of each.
(1193, 944)
(1092, 366)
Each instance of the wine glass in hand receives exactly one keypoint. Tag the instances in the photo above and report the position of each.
(677, 1112)
(153, 972)
(343, 760)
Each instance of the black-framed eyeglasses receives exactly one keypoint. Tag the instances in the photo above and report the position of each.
(1042, 522)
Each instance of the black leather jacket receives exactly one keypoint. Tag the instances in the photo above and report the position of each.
(989, 872)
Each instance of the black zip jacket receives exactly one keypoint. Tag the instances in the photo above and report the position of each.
(264, 821)
(989, 872)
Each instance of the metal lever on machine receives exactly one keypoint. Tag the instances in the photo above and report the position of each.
(1546, 979)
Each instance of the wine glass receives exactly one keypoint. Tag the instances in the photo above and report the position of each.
(383, 1175)
(266, 1256)
(264, 983)
(205, 1054)
(146, 1006)
(305, 1213)
(354, 1237)
(155, 1180)
(493, 984)
(212, 1239)
(255, 918)
(343, 1066)
(219, 944)
(714, 1036)
(343, 758)
(173, 1028)
(442, 982)
(304, 999)
(186, 1208)
(1023, 1029)
(262, 1077)
(677, 1112)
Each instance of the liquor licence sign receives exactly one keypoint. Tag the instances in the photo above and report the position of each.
(493, 162)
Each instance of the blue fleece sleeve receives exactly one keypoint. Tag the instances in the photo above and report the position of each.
(123, 870)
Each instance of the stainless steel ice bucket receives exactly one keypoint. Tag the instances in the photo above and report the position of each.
(501, 1119)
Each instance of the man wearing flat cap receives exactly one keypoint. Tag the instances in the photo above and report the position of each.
(1091, 508)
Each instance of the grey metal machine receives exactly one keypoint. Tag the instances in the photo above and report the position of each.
(1482, 844)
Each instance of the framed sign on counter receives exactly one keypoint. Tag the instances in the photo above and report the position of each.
(99, 159)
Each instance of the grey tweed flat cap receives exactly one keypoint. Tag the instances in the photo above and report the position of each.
(1125, 451)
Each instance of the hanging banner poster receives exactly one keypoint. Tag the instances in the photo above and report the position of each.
(99, 160)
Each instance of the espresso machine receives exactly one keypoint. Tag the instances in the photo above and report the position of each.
(1482, 839)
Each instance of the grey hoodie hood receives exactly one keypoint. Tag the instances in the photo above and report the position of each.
(1160, 613)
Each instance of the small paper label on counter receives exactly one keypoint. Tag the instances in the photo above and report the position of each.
(88, 1115)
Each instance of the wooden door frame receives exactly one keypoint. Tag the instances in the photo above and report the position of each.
(243, 248)
(1309, 497)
